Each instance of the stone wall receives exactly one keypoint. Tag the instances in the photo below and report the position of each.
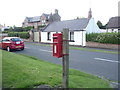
(101, 45)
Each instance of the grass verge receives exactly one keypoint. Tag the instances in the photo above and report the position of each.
(94, 50)
(20, 71)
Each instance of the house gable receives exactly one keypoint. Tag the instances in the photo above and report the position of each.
(92, 27)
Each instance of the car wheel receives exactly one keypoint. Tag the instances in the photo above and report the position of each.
(8, 49)
(22, 48)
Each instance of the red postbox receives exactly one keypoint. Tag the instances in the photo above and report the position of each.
(57, 45)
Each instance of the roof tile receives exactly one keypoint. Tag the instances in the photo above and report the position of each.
(73, 25)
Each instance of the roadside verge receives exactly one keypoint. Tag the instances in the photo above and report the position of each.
(21, 71)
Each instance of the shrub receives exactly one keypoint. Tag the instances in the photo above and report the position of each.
(5, 31)
(91, 37)
(112, 38)
(27, 28)
(24, 35)
(13, 34)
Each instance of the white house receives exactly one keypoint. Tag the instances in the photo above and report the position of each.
(78, 29)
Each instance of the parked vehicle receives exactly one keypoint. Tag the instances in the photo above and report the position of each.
(10, 43)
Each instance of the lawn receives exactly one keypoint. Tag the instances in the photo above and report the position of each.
(20, 71)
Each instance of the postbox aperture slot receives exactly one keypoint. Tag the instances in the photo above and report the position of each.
(55, 37)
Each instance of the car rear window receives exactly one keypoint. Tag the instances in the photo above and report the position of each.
(16, 39)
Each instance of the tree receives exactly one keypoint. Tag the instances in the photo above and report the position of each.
(27, 28)
(104, 27)
(100, 25)
(18, 29)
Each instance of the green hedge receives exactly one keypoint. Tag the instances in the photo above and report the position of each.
(111, 38)
(24, 35)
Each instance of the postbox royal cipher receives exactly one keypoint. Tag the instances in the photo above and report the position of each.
(57, 45)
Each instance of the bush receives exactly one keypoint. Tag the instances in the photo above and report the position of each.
(24, 35)
(91, 37)
(27, 28)
(111, 38)
(5, 31)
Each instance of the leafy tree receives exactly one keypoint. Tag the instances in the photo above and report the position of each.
(100, 25)
(104, 27)
(18, 29)
(78, 18)
(27, 28)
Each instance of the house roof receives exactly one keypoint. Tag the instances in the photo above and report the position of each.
(46, 15)
(73, 25)
(29, 19)
(114, 22)
(33, 19)
(36, 19)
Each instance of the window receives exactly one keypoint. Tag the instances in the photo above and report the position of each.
(16, 39)
(72, 36)
(43, 22)
(5, 40)
(49, 36)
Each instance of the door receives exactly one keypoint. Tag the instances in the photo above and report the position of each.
(36, 37)
(5, 43)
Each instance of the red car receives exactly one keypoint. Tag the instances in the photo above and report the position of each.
(11, 43)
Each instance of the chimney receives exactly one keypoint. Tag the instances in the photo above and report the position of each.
(90, 14)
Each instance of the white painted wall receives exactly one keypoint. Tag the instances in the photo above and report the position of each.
(92, 27)
(113, 30)
(103, 30)
(109, 30)
(44, 37)
(79, 38)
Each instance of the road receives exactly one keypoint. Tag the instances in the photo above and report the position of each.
(96, 63)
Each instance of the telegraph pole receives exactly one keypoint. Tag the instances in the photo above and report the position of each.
(65, 58)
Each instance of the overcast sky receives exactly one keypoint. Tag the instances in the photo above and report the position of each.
(13, 12)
